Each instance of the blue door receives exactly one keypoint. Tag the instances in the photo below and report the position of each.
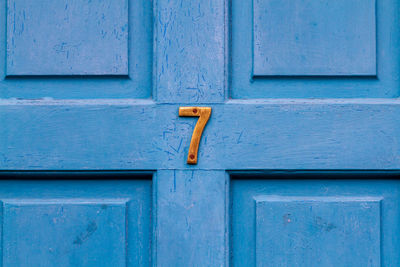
(102, 102)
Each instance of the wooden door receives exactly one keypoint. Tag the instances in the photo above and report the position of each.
(297, 165)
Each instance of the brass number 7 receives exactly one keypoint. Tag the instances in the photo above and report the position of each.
(204, 114)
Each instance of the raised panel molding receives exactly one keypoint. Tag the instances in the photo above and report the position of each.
(314, 49)
(308, 37)
(318, 231)
(95, 219)
(93, 232)
(314, 219)
(77, 37)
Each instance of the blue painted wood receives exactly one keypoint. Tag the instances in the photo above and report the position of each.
(308, 37)
(99, 228)
(190, 51)
(97, 122)
(191, 218)
(131, 134)
(78, 37)
(319, 231)
(76, 223)
(315, 222)
(96, 81)
(244, 85)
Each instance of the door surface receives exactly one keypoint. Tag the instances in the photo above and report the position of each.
(297, 165)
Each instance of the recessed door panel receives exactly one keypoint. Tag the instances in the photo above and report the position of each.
(309, 231)
(314, 38)
(77, 38)
(76, 222)
(314, 222)
(314, 49)
(76, 49)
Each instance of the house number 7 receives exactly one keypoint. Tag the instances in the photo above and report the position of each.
(204, 114)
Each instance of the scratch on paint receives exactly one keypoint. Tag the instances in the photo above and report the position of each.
(90, 229)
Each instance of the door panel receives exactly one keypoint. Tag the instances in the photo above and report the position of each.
(319, 231)
(81, 49)
(315, 49)
(315, 222)
(76, 222)
(60, 50)
(318, 38)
